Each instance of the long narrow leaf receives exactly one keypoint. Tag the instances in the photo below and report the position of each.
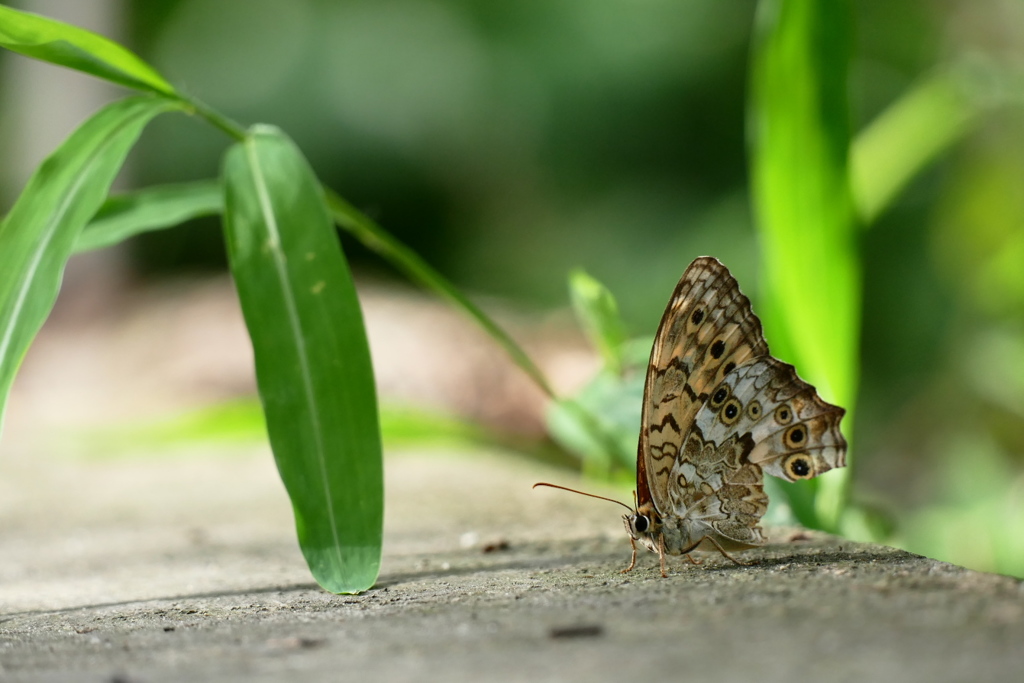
(312, 359)
(37, 236)
(66, 45)
(129, 214)
(800, 136)
(906, 137)
(598, 315)
(375, 238)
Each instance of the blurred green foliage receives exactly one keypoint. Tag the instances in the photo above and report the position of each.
(508, 143)
(805, 214)
(485, 136)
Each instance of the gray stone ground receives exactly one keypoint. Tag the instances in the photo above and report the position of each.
(183, 566)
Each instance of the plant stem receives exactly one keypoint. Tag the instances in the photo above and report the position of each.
(376, 238)
(216, 119)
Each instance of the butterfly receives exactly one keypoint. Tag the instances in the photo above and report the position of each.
(718, 413)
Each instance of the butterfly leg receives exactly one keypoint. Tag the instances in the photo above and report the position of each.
(722, 550)
(693, 560)
(632, 560)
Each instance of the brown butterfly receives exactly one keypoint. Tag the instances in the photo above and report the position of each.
(718, 412)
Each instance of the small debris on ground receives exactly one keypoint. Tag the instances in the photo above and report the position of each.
(293, 643)
(583, 631)
(496, 546)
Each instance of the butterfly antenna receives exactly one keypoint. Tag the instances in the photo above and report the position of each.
(583, 493)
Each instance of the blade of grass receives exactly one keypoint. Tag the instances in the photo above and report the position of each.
(242, 421)
(606, 445)
(799, 127)
(312, 359)
(375, 238)
(154, 208)
(598, 314)
(405, 260)
(37, 236)
(66, 45)
(909, 135)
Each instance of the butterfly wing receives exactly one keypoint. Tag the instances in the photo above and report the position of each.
(761, 417)
(716, 492)
(707, 331)
(793, 433)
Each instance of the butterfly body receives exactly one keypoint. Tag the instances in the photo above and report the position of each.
(719, 411)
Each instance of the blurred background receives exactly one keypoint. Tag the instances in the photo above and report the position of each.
(508, 143)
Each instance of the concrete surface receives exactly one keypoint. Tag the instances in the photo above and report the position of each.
(183, 566)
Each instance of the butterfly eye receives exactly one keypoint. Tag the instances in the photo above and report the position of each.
(754, 410)
(641, 523)
(795, 436)
(799, 466)
(783, 415)
(720, 396)
(731, 412)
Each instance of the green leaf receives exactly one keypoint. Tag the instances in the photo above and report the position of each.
(911, 133)
(608, 443)
(126, 215)
(598, 313)
(378, 240)
(598, 443)
(37, 236)
(799, 128)
(73, 47)
(242, 421)
(599, 423)
(312, 359)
